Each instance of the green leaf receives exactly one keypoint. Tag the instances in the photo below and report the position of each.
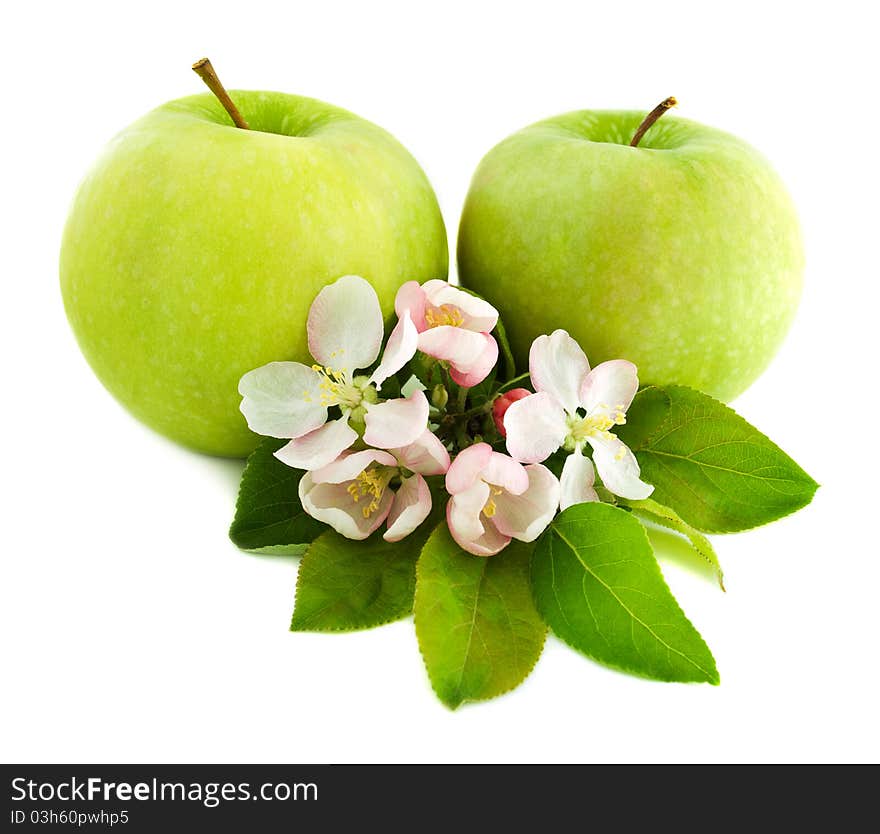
(668, 518)
(345, 585)
(645, 416)
(598, 586)
(719, 473)
(476, 623)
(268, 515)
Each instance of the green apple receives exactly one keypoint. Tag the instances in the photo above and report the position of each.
(194, 249)
(682, 255)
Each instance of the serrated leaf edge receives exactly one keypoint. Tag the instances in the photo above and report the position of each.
(454, 705)
(714, 681)
(340, 629)
(725, 530)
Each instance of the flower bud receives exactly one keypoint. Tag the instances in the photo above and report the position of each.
(439, 396)
(500, 406)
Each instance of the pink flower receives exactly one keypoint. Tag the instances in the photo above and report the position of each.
(495, 499)
(290, 400)
(575, 407)
(359, 490)
(500, 406)
(449, 324)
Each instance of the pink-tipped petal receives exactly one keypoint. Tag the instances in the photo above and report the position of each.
(463, 512)
(461, 348)
(282, 399)
(477, 314)
(526, 516)
(402, 346)
(558, 366)
(490, 542)
(536, 427)
(576, 483)
(345, 325)
(619, 469)
(426, 455)
(503, 471)
(350, 464)
(396, 423)
(332, 504)
(412, 505)
(610, 387)
(319, 447)
(411, 297)
(467, 467)
(477, 372)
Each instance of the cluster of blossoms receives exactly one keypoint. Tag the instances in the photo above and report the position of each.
(366, 462)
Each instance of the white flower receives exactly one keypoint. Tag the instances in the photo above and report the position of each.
(359, 490)
(575, 407)
(290, 400)
(448, 324)
(495, 499)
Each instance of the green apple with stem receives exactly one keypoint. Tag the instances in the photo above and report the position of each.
(200, 237)
(673, 245)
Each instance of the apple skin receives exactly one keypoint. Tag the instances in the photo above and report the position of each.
(194, 249)
(682, 255)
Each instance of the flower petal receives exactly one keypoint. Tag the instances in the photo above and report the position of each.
(618, 468)
(282, 399)
(479, 315)
(610, 387)
(462, 348)
(345, 325)
(526, 516)
(411, 507)
(402, 346)
(318, 447)
(332, 504)
(576, 483)
(536, 427)
(350, 464)
(411, 297)
(479, 370)
(503, 471)
(463, 512)
(490, 542)
(467, 467)
(426, 455)
(558, 366)
(396, 423)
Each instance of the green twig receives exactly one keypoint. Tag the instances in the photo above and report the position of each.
(511, 383)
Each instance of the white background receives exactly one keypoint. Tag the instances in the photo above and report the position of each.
(132, 630)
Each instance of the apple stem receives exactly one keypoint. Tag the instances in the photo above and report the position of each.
(206, 72)
(652, 117)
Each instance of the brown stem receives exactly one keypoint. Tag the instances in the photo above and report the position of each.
(652, 117)
(206, 72)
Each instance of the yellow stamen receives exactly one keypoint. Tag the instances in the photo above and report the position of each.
(446, 314)
(371, 483)
(490, 508)
(335, 387)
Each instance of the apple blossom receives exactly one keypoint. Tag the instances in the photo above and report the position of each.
(358, 491)
(290, 399)
(495, 499)
(448, 324)
(573, 407)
